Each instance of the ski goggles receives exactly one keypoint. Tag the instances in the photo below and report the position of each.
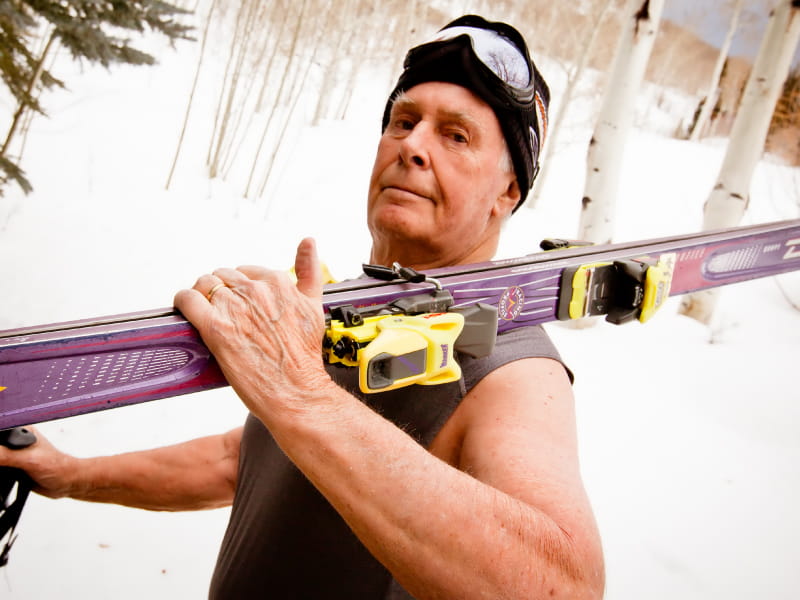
(505, 68)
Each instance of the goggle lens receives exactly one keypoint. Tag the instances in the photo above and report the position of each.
(496, 52)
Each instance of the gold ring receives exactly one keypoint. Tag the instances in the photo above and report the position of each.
(213, 290)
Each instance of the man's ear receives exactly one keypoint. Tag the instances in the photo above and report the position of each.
(508, 200)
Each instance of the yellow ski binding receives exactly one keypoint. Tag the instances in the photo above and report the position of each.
(393, 351)
(622, 290)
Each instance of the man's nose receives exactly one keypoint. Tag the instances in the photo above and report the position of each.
(414, 147)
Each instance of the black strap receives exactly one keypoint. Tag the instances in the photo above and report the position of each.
(12, 511)
(15, 486)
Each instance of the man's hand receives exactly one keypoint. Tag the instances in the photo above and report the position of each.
(265, 332)
(51, 470)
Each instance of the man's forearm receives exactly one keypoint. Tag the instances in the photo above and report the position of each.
(195, 475)
(441, 532)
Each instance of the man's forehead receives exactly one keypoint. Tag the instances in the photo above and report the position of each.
(454, 104)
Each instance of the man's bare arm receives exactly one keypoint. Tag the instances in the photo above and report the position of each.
(516, 526)
(194, 475)
(516, 431)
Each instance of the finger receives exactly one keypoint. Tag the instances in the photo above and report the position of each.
(193, 305)
(218, 287)
(308, 269)
(7, 456)
(231, 277)
(205, 283)
(256, 272)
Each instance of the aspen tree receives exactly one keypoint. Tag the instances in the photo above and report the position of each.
(235, 137)
(191, 95)
(364, 45)
(289, 68)
(730, 195)
(294, 97)
(226, 105)
(713, 84)
(573, 77)
(343, 29)
(607, 146)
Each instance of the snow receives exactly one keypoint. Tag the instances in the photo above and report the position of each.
(689, 435)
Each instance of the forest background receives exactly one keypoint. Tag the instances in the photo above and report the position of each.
(280, 65)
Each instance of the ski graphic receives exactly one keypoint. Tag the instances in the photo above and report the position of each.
(64, 369)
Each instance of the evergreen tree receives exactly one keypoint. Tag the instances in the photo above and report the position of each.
(89, 29)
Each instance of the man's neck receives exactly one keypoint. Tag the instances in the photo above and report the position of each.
(420, 258)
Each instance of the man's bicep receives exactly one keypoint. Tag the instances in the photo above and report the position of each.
(519, 434)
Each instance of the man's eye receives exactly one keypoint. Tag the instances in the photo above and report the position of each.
(404, 124)
(458, 137)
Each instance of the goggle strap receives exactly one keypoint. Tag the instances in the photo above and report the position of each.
(541, 118)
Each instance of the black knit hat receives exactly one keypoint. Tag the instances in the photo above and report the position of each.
(522, 113)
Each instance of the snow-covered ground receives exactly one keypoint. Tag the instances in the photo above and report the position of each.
(689, 435)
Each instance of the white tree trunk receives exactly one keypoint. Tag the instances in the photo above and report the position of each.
(191, 93)
(573, 77)
(289, 68)
(606, 148)
(729, 197)
(713, 84)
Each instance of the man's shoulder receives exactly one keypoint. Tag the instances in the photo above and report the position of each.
(513, 345)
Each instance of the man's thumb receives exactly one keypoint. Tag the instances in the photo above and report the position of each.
(308, 269)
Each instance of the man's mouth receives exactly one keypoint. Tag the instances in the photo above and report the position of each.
(405, 190)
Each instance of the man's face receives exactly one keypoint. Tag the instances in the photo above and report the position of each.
(438, 191)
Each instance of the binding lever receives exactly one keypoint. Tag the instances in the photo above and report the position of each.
(397, 271)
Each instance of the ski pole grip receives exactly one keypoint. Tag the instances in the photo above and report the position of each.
(17, 438)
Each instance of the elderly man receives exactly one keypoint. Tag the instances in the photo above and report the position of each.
(464, 490)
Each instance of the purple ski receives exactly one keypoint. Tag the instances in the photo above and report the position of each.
(64, 369)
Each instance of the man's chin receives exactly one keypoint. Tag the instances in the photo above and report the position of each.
(401, 220)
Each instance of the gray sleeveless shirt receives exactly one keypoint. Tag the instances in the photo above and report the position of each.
(284, 541)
